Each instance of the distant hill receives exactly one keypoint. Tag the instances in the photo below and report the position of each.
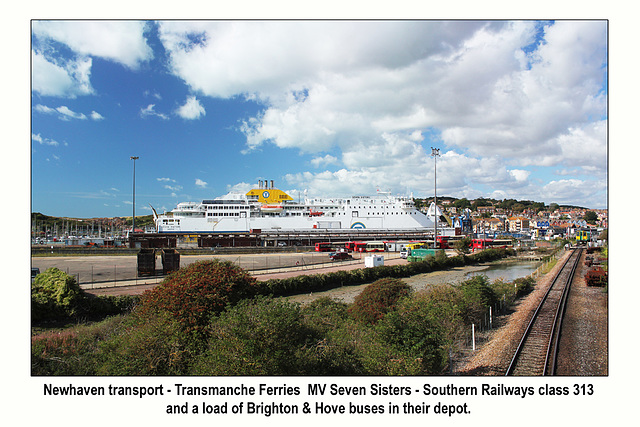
(41, 221)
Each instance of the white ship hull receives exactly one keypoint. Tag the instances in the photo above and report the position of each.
(242, 213)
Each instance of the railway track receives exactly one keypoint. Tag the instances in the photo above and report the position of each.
(537, 351)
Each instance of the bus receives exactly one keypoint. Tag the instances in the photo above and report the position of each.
(367, 246)
(489, 243)
(350, 246)
(416, 245)
(443, 242)
(375, 247)
(323, 247)
(359, 246)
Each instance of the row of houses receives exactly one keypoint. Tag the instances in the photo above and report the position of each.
(562, 215)
(542, 225)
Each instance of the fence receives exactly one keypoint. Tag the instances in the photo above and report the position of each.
(479, 333)
(91, 273)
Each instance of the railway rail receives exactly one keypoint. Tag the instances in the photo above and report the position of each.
(536, 353)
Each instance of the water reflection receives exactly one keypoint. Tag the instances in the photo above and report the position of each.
(507, 271)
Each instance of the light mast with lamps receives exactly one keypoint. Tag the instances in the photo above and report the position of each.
(133, 227)
(435, 153)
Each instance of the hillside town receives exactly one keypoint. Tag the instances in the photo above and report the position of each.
(536, 224)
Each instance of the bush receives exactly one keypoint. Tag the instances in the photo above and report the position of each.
(256, 337)
(477, 297)
(193, 294)
(324, 314)
(443, 304)
(524, 286)
(356, 349)
(54, 295)
(377, 299)
(154, 345)
(412, 331)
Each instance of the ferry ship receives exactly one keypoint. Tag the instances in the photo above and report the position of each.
(267, 208)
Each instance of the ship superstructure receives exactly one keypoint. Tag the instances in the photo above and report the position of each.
(267, 208)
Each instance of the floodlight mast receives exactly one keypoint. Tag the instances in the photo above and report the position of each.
(435, 153)
(133, 227)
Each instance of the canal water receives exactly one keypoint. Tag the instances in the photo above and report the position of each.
(507, 271)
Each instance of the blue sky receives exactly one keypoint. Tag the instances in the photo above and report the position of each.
(336, 108)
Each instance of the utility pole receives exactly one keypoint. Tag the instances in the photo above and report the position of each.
(133, 227)
(435, 153)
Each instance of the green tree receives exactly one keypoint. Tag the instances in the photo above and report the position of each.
(462, 203)
(590, 217)
(462, 246)
(377, 299)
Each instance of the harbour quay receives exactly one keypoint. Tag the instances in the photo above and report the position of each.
(278, 238)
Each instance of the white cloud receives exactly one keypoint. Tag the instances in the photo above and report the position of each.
(323, 161)
(96, 116)
(59, 77)
(165, 180)
(200, 183)
(173, 187)
(118, 41)
(149, 111)
(574, 191)
(192, 109)
(43, 141)
(55, 74)
(65, 113)
(156, 95)
(502, 93)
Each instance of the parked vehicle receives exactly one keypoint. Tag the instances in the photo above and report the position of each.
(323, 247)
(340, 256)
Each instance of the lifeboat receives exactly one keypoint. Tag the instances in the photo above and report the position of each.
(315, 213)
(271, 208)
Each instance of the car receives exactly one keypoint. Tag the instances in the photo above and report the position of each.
(405, 253)
(340, 256)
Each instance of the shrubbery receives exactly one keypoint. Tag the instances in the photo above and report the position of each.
(212, 318)
(260, 336)
(477, 297)
(378, 299)
(194, 293)
(153, 345)
(55, 295)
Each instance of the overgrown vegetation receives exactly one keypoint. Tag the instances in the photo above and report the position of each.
(378, 299)
(56, 296)
(211, 318)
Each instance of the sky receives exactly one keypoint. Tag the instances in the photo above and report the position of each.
(517, 109)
